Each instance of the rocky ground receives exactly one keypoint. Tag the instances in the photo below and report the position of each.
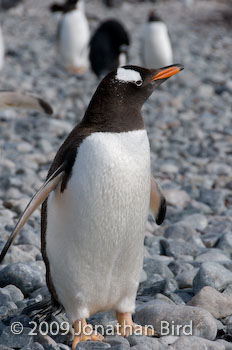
(187, 272)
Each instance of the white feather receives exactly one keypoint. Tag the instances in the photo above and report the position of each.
(156, 45)
(74, 40)
(127, 75)
(95, 228)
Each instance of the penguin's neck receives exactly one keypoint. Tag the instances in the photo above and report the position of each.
(105, 116)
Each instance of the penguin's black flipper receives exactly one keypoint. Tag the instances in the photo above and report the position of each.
(157, 202)
(13, 99)
(36, 200)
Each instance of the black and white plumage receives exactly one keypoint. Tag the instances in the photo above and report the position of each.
(99, 189)
(73, 36)
(156, 47)
(108, 47)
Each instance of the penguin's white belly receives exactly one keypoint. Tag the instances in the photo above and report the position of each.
(157, 48)
(74, 40)
(95, 228)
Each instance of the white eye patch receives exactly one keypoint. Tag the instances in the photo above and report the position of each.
(128, 75)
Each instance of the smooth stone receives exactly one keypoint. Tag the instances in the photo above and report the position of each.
(227, 345)
(212, 274)
(210, 299)
(204, 324)
(4, 347)
(196, 221)
(15, 293)
(152, 266)
(44, 340)
(156, 284)
(176, 247)
(185, 279)
(228, 290)
(117, 340)
(34, 346)
(27, 277)
(16, 341)
(196, 343)
(170, 286)
(92, 345)
(185, 294)
(213, 198)
(3, 312)
(225, 242)
(168, 339)
(210, 240)
(5, 297)
(180, 231)
(178, 267)
(212, 256)
(142, 342)
(177, 198)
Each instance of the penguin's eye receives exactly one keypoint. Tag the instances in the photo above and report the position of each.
(139, 83)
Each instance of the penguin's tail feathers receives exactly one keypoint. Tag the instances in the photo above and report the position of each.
(43, 310)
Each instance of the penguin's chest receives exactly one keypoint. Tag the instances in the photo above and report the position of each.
(97, 223)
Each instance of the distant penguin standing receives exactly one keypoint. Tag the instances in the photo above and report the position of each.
(156, 48)
(73, 36)
(2, 49)
(109, 47)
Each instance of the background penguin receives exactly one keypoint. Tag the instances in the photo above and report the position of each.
(99, 189)
(2, 49)
(73, 36)
(108, 47)
(156, 48)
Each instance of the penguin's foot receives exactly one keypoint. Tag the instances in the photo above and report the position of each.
(84, 332)
(127, 326)
(77, 70)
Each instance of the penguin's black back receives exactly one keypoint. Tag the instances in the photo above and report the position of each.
(105, 46)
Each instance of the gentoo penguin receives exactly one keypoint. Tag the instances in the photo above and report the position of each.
(14, 99)
(73, 36)
(108, 47)
(98, 191)
(156, 48)
(2, 49)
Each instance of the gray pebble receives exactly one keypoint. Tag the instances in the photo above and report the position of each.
(117, 340)
(212, 274)
(179, 247)
(216, 303)
(196, 343)
(27, 277)
(203, 323)
(90, 345)
(15, 293)
(180, 231)
(18, 341)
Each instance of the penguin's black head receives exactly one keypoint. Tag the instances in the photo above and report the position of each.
(137, 83)
(120, 96)
(154, 17)
(68, 6)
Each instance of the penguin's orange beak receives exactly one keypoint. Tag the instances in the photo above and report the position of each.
(167, 72)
